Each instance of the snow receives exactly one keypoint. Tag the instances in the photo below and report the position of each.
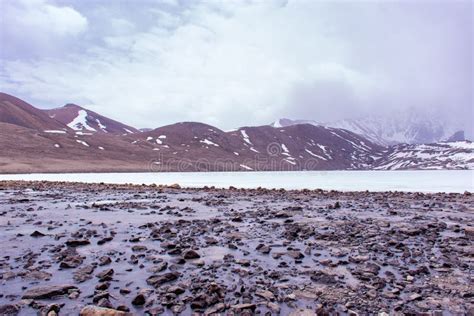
(162, 137)
(101, 148)
(101, 126)
(149, 138)
(236, 153)
(80, 122)
(408, 181)
(83, 133)
(453, 155)
(246, 167)
(208, 142)
(463, 145)
(158, 141)
(56, 145)
(246, 137)
(82, 142)
(128, 131)
(314, 155)
(254, 150)
(55, 131)
(325, 150)
(277, 124)
(285, 149)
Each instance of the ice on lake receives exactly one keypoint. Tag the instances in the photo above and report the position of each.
(419, 180)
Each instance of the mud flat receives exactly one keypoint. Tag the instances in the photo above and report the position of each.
(100, 249)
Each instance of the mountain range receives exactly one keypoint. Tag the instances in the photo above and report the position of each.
(401, 128)
(75, 139)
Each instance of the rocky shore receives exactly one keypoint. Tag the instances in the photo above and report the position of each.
(97, 249)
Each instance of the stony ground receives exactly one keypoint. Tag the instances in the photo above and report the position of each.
(73, 249)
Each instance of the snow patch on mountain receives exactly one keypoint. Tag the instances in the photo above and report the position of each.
(409, 128)
(80, 122)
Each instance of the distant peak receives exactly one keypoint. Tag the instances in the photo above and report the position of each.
(72, 105)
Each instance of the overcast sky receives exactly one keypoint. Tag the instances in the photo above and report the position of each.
(233, 63)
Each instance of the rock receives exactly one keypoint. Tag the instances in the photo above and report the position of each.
(176, 289)
(178, 308)
(414, 297)
(105, 275)
(104, 260)
(100, 295)
(48, 291)
(469, 231)
(295, 254)
(105, 302)
(191, 254)
(158, 267)
(155, 311)
(274, 307)
(49, 310)
(174, 186)
(323, 278)
(104, 240)
(243, 262)
(266, 295)
(140, 299)
(9, 310)
(83, 274)
(102, 286)
(77, 242)
(125, 291)
(157, 280)
(37, 234)
(37, 275)
(239, 307)
(71, 262)
(91, 310)
(263, 248)
(139, 248)
(219, 307)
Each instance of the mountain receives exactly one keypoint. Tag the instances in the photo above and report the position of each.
(447, 155)
(299, 147)
(17, 112)
(32, 141)
(409, 128)
(81, 119)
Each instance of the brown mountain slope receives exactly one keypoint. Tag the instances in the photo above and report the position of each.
(18, 112)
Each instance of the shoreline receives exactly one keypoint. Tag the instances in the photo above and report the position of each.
(169, 250)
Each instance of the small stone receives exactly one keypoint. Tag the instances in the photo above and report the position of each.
(191, 254)
(37, 234)
(91, 310)
(140, 299)
(77, 242)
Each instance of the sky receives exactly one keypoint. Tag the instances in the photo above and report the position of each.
(238, 63)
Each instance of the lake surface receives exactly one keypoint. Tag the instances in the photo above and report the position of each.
(420, 181)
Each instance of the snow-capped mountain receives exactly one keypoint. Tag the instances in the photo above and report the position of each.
(390, 130)
(448, 155)
(83, 120)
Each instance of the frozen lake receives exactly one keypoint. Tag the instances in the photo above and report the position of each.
(421, 181)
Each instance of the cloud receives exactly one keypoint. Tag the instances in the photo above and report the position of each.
(241, 63)
(30, 26)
